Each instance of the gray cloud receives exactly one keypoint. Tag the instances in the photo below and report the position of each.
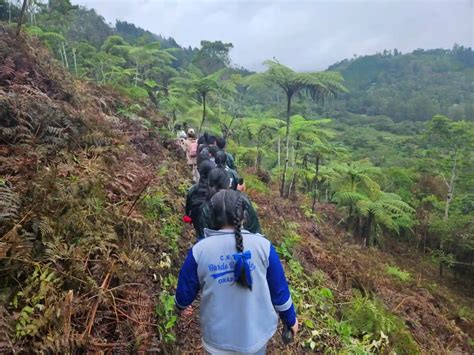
(306, 35)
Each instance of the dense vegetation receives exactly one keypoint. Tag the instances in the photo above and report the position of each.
(388, 139)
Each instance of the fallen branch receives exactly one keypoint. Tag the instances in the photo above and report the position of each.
(401, 302)
(138, 197)
(92, 313)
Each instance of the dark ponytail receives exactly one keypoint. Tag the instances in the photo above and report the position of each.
(218, 180)
(227, 209)
(221, 159)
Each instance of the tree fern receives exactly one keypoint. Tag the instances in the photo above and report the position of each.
(318, 85)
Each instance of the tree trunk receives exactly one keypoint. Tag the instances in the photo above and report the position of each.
(450, 196)
(65, 55)
(228, 128)
(315, 183)
(62, 57)
(279, 152)
(203, 111)
(293, 179)
(365, 231)
(352, 190)
(287, 138)
(258, 151)
(75, 59)
(136, 75)
(22, 14)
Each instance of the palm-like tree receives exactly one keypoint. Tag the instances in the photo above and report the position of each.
(319, 85)
(354, 181)
(195, 81)
(259, 127)
(355, 177)
(306, 135)
(383, 209)
(176, 102)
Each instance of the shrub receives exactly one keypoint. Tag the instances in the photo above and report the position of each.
(370, 321)
(394, 271)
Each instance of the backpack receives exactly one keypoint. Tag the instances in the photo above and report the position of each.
(193, 149)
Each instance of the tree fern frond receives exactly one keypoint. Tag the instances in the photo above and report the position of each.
(349, 197)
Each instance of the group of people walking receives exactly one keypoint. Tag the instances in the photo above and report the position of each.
(240, 276)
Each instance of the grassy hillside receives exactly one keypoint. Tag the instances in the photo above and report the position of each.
(88, 218)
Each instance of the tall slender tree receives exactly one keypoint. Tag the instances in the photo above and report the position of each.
(319, 86)
(195, 81)
(22, 15)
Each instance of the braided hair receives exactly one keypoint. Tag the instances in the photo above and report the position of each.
(227, 209)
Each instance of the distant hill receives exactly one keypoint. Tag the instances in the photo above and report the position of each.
(412, 86)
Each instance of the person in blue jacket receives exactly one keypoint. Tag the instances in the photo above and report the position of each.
(242, 283)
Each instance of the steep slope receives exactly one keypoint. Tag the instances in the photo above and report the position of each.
(328, 274)
(91, 240)
(88, 212)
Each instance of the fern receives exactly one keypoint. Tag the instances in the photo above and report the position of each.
(377, 327)
(367, 317)
(9, 205)
(37, 304)
(7, 69)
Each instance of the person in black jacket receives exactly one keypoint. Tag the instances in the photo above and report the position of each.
(218, 179)
(221, 162)
(197, 195)
(221, 143)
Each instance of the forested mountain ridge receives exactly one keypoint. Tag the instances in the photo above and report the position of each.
(413, 86)
(92, 189)
(404, 87)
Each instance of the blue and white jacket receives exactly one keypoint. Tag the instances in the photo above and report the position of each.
(234, 317)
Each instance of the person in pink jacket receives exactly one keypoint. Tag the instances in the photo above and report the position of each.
(191, 149)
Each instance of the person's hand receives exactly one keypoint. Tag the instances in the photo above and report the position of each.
(241, 187)
(187, 312)
(295, 327)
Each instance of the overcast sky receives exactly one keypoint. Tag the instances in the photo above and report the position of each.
(304, 34)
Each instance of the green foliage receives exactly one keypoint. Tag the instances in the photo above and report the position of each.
(290, 239)
(394, 271)
(36, 301)
(370, 321)
(166, 312)
(252, 182)
(136, 93)
(155, 206)
(466, 313)
(399, 192)
(365, 326)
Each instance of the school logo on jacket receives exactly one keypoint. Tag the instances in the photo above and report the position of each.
(223, 270)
